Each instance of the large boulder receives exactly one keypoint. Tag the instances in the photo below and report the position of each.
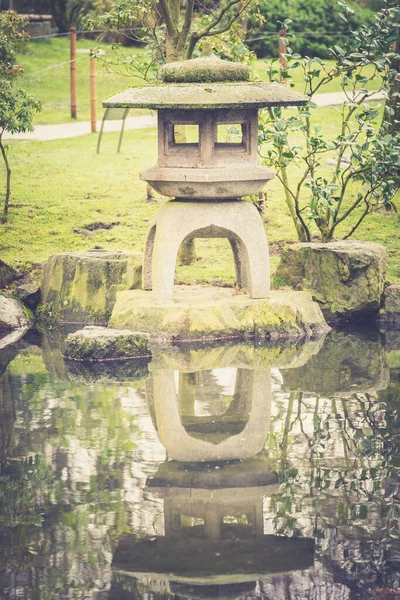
(346, 278)
(80, 287)
(100, 343)
(12, 314)
(390, 312)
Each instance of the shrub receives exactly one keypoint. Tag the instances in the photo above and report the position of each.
(365, 174)
(319, 19)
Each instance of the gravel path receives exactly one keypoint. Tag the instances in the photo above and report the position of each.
(70, 130)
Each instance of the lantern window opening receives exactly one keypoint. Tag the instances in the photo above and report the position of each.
(183, 134)
(233, 136)
(230, 134)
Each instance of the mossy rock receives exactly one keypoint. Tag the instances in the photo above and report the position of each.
(100, 343)
(81, 287)
(346, 364)
(345, 278)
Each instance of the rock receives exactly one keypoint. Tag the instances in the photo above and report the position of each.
(100, 343)
(346, 364)
(80, 287)
(200, 313)
(29, 294)
(12, 314)
(7, 274)
(346, 278)
(390, 311)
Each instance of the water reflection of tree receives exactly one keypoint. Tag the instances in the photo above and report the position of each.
(344, 489)
(61, 480)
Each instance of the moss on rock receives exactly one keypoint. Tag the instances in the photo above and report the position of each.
(345, 278)
(216, 313)
(100, 343)
(81, 287)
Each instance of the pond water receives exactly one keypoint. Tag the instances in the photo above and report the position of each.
(235, 472)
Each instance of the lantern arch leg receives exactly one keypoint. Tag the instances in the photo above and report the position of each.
(176, 222)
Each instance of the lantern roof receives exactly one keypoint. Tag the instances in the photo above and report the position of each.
(208, 68)
(206, 83)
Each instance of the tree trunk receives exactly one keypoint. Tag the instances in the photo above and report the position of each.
(8, 177)
(394, 96)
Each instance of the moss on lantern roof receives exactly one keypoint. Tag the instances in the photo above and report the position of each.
(188, 96)
(205, 69)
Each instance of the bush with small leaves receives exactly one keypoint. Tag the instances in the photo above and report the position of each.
(365, 154)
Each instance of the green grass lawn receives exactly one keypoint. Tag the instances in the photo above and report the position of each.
(47, 77)
(62, 188)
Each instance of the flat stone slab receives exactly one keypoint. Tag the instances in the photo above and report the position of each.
(100, 343)
(204, 313)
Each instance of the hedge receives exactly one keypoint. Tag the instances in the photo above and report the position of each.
(316, 25)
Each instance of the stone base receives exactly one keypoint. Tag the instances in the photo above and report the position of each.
(202, 313)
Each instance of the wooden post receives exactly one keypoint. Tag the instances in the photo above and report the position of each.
(72, 37)
(92, 91)
(282, 53)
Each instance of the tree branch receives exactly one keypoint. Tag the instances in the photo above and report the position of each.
(218, 19)
(360, 220)
(183, 36)
(166, 13)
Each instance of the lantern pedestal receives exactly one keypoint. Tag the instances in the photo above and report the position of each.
(176, 222)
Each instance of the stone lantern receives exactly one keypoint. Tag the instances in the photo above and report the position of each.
(206, 172)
